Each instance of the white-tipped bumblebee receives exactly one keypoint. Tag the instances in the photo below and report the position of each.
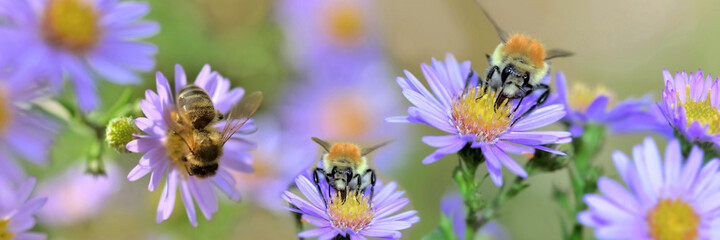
(345, 167)
(193, 141)
(517, 67)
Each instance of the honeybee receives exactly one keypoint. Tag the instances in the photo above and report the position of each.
(517, 67)
(194, 142)
(345, 167)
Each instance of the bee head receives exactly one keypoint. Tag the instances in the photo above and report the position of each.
(340, 177)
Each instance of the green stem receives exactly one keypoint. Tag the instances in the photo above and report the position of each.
(464, 175)
(586, 146)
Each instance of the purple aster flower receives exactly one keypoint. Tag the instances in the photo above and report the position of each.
(277, 162)
(598, 106)
(472, 117)
(157, 108)
(78, 38)
(335, 38)
(16, 210)
(454, 209)
(355, 216)
(24, 134)
(75, 197)
(674, 199)
(691, 104)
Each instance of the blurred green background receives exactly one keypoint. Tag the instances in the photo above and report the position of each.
(623, 45)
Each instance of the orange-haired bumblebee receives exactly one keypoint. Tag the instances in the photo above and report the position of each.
(345, 167)
(517, 66)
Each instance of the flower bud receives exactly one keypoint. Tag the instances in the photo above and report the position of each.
(119, 132)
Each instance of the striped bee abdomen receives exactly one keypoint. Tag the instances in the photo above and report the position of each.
(196, 106)
(203, 171)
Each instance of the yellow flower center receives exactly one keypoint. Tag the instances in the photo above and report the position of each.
(580, 96)
(4, 233)
(354, 213)
(70, 25)
(5, 111)
(345, 117)
(344, 23)
(475, 113)
(702, 112)
(673, 220)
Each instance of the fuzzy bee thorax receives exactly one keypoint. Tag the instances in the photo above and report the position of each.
(345, 151)
(526, 48)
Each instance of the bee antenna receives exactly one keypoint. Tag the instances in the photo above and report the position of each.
(501, 33)
(322, 143)
(366, 151)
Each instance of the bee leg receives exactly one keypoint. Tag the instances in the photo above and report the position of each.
(525, 94)
(539, 101)
(489, 76)
(467, 82)
(316, 179)
(327, 179)
(348, 177)
(359, 183)
(219, 115)
(372, 185)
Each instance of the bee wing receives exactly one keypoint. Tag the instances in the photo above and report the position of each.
(366, 151)
(240, 114)
(501, 33)
(322, 143)
(556, 53)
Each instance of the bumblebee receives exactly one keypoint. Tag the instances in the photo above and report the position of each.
(517, 66)
(345, 168)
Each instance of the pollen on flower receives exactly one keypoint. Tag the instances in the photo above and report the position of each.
(702, 112)
(475, 113)
(580, 96)
(672, 220)
(4, 233)
(5, 111)
(354, 213)
(344, 22)
(70, 25)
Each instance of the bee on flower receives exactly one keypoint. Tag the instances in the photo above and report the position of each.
(204, 156)
(473, 119)
(357, 216)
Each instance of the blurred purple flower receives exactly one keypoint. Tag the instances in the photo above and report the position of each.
(454, 209)
(156, 107)
(676, 199)
(346, 111)
(75, 197)
(691, 104)
(330, 38)
(16, 210)
(591, 106)
(471, 118)
(47, 39)
(354, 217)
(277, 162)
(24, 134)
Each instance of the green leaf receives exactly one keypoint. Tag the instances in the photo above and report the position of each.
(434, 235)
